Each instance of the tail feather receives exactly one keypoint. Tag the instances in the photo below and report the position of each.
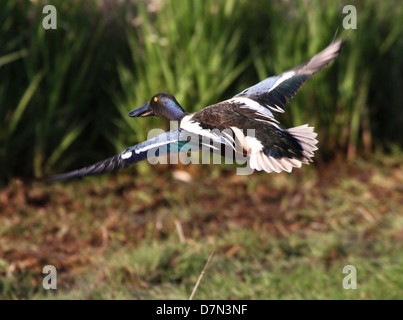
(306, 138)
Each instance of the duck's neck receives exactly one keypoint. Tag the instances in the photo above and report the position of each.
(175, 111)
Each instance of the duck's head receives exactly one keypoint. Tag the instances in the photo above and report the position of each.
(161, 105)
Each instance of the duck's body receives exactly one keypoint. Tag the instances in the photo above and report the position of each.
(268, 147)
(244, 123)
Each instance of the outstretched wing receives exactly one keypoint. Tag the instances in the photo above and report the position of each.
(270, 148)
(168, 142)
(274, 92)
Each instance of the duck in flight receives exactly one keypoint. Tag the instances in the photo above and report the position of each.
(269, 148)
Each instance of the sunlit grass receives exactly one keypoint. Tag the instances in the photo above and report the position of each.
(273, 236)
(264, 267)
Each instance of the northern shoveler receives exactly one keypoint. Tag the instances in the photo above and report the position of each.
(269, 148)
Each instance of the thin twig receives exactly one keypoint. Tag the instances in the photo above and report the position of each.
(179, 228)
(201, 276)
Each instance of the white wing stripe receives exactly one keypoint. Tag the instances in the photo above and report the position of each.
(284, 76)
(251, 104)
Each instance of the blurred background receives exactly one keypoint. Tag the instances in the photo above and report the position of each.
(147, 231)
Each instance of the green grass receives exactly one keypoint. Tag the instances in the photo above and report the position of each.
(264, 267)
(273, 236)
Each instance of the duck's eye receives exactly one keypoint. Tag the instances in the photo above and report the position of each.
(155, 99)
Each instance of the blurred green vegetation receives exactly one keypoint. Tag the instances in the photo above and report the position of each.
(65, 93)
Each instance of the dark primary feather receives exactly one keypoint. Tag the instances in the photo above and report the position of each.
(171, 142)
(276, 91)
(139, 153)
(108, 165)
